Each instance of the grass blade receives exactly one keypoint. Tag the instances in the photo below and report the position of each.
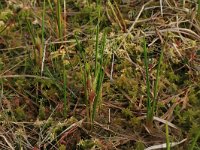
(97, 42)
(99, 78)
(149, 115)
(84, 70)
(167, 137)
(65, 92)
(59, 19)
(154, 107)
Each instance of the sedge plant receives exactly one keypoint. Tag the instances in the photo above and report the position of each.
(41, 108)
(60, 36)
(151, 102)
(93, 78)
(86, 74)
(38, 44)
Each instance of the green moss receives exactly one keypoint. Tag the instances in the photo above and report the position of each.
(194, 97)
(5, 14)
(19, 114)
(127, 112)
(62, 147)
(139, 145)
(41, 112)
(128, 85)
(172, 76)
(86, 144)
(135, 121)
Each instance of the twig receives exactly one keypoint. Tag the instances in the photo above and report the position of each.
(112, 66)
(44, 55)
(172, 144)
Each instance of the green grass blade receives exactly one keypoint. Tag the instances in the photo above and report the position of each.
(99, 78)
(167, 137)
(103, 47)
(149, 113)
(97, 42)
(65, 92)
(98, 93)
(82, 56)
(51, 7)
(156, 82)
(30, 30)
(43, 24)
(59, 20)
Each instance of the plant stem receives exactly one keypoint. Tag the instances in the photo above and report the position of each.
(65, 91)
(156, 83)
(167, 137)
(149, 114)
(59, 18)
(97, 42)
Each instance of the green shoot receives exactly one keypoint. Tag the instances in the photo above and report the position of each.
(60, 35)
(99, 78)
(147, 82)
(167, 137)
(93, 87)
(65, 92)
(151, 105)
(84, 70)
(154, 107)
(97, 41)
(43, 24)
(30, 29)
(59, 18)
(51, 7)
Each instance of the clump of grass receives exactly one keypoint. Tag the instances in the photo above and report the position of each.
(60, 27)
(151, 102)
(99, 73)
(93, 86)
(149, 115)
(85, 76)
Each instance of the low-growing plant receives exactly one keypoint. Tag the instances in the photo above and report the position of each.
(151, 102)
(93, 79)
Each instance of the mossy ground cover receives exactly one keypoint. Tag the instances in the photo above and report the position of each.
(73, 74)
